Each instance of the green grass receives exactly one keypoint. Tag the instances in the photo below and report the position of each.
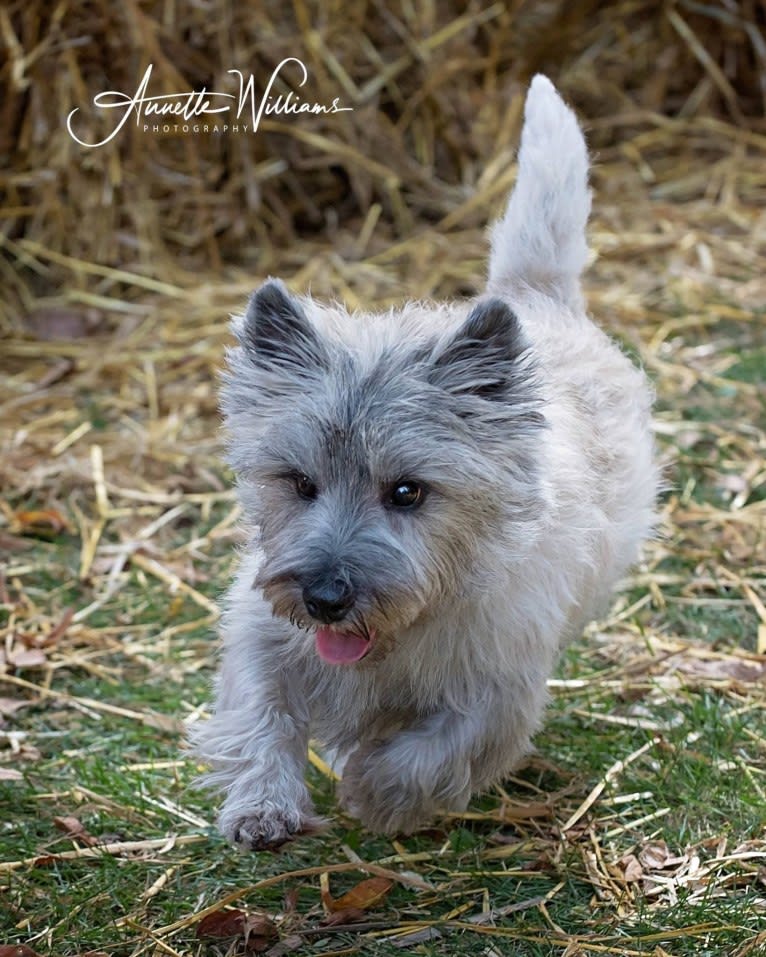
(93, 768)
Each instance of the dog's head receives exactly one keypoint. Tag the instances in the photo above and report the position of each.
(387, 468)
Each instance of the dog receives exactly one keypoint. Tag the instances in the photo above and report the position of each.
(438, 499)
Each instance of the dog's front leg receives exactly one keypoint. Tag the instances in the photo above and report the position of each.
(256, 743)
(399, 784)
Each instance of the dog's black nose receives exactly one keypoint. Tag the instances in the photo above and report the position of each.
(329, 601)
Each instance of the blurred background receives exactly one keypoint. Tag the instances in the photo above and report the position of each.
(120, 264)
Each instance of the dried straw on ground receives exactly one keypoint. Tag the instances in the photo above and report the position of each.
(119, 266)
(151, 241)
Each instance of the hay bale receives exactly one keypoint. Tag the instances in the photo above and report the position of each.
(436, 93)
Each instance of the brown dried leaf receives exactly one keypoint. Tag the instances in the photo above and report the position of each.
(631, 867)
(349, 915)
(656, 856)
(222, 923)
(43, 521)
(653, 856)
(362, 897)
(261, 924)
(45, 860)
(17, 950)
(74, 828)
(259, 931)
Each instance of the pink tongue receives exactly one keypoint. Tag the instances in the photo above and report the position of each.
(339, 648)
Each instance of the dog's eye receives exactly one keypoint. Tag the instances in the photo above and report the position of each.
(305, 487)
(406, 495)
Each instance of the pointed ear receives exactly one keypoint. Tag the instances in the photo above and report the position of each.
(275, 333)
(485, 357)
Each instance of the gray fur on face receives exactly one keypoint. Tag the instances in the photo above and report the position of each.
(438, 498)
(439, 414)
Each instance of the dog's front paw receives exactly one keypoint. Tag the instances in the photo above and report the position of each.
(384, 796)
(268, 827)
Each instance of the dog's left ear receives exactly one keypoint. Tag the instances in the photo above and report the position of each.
(276, 334)
(485, 357)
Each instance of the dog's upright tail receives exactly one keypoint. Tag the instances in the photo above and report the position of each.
(540, 243)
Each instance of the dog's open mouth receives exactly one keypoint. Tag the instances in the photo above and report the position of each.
(342, 647)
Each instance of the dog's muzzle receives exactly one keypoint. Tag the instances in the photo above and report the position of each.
(329, 602)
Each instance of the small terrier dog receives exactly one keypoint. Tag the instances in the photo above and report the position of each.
(439, 498)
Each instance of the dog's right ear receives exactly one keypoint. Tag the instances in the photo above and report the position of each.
(487, 357)
(276, 335)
